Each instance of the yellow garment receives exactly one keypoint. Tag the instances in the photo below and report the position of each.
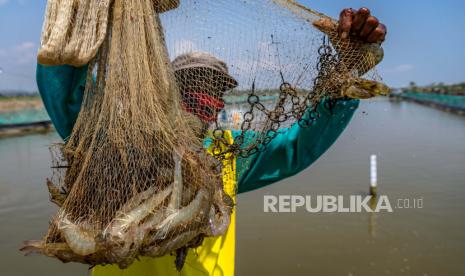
(214, 257)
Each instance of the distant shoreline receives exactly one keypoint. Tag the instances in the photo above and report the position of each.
(18, 103)
(449, 103)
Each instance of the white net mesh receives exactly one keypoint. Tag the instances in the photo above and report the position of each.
(134, 178)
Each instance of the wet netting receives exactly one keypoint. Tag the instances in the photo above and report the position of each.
(141, 173)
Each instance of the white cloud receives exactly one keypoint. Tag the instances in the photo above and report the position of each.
(402, 68)
(25, 46)
(21, 2)
(26, 52)
(23, 53)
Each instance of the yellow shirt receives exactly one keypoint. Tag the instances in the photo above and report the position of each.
(214, 257)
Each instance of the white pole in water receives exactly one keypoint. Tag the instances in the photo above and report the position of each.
(373, 175)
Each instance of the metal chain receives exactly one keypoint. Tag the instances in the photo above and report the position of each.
(326, 65)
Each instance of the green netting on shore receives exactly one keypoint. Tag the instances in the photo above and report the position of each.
(23, 116)
(449, 100)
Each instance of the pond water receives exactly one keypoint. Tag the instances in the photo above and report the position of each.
(421, 154)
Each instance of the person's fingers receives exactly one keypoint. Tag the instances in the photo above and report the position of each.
(359, 20)
(345, 22)
(378, 34)
(370, 24)
(384, 31)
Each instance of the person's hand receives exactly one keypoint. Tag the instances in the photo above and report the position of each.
(362, 25)
(355, 26)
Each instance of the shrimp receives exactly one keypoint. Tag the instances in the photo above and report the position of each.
(187, 195)
(124, 254)
(154, 220)
(218, 225)
(184, 215)
(176, 196)
(80, 240)
(123, 236)
(59, 250)
(34, 246)
(124, 220)
(359, 88)
(56, 196)
(168, 246)
(137, 200)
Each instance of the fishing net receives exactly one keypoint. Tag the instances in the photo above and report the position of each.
(286, 59)
(141, 172)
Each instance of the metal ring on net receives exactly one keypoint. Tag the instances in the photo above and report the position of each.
(304, 110)
(278, 115)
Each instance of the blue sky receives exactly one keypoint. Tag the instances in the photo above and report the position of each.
(425, 42)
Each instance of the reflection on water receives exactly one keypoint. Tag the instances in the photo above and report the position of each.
(420, 152)
(24, 205)
(372, 217)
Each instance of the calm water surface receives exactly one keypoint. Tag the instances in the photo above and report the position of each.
(421, 154)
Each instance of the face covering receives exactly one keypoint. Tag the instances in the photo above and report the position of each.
(203, 105)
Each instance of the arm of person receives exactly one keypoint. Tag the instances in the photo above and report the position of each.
(62, 89)
(295, 148)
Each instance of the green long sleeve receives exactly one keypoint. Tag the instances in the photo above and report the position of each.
(296, 148)
(62, 90)
(293, 150)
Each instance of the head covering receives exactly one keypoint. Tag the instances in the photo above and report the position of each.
(198, 60)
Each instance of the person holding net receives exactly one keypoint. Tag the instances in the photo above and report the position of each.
(294, 150)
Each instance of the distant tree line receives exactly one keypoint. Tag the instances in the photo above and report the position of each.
(437, 88)
(17, 93)
(263, 92)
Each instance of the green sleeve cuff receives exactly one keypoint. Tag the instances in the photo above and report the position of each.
(296, 148)
(61, 89)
